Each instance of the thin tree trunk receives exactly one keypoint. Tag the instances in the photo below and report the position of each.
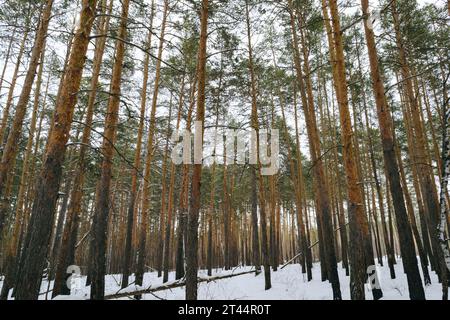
(7, 56)
(184, 196)
(226, 211)
(162, 225)
(12, 86)
(102, 205)
(209, 259)
(170, 201)
(192, 230)
(258, 167)
(256, 257)
(300, 222)
(13, 248)
(149, 157)
(444, 187)
(137, 160)
(321, 188)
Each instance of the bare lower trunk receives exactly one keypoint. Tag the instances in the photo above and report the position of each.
(256, 258)
(162, 223)
(170, 201)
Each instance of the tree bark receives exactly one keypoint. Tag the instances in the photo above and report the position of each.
(170, 201)
(192, 229)
(66, 255)
(444, 187)
(149, 157)
(38, 234)
(102, 203)
(13, 248)
(258, 167)
(162, 223)
(385, 120)
(359, 230)
(297, 186)
(320, 184)
(137, 161)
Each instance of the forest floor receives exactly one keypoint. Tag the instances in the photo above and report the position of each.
(287, 284)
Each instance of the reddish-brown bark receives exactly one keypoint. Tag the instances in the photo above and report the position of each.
(38, 235)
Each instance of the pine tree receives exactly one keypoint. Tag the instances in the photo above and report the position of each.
(66, 254)
(192, 228)
(10, 150)
(359, 230)
(38, 234)
(258, 166)
(99, 226)
(322, 196)
(137, 158)
(149, 157)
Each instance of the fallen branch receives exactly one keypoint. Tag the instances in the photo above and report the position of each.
(82, 239)
(173, 285)
(310, 247)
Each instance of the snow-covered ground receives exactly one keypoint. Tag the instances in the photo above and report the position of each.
(287, 284)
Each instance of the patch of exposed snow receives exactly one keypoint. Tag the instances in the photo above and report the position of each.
(287, 284)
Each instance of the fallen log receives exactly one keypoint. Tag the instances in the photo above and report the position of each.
(172, 285)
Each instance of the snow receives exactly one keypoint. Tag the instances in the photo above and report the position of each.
(287, 284)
